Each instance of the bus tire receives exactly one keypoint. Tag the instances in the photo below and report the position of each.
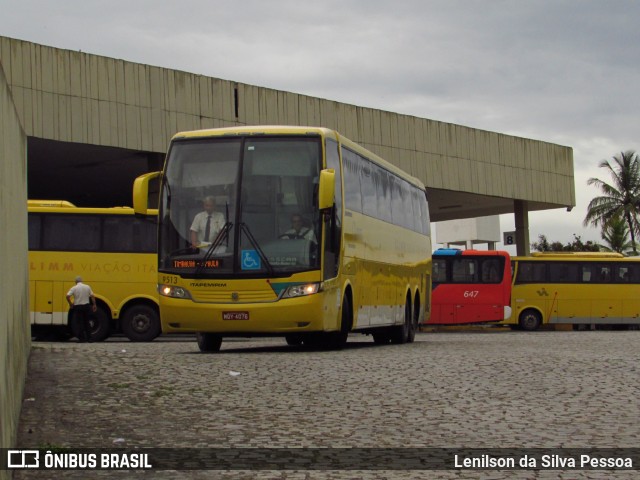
(529, 320)
(402, 333)
(141, 323)
(416, 319)
(209, 342)
(100, 322)
(337, 340)
(100, 325)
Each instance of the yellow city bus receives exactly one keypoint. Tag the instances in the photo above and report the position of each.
(363, 264)
(585, 290)
(113, 250)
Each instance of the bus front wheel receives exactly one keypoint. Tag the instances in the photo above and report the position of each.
(529, 320)
(337, 340)
(209, 342)
(141, 323)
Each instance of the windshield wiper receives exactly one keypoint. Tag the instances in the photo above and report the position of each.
(222, 234)
(245, 228)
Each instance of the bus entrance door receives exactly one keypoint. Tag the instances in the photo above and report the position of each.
(43, 312)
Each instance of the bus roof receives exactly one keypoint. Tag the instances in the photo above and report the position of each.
(62, 206)
(259, 130)
(577, 254)
(50, 203)
(457, 251)
(256, 130)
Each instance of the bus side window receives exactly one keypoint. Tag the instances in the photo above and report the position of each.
(633, 273)
(605, 274)
(490, 271)
(439, 270)
(464, 270)
(623, 275)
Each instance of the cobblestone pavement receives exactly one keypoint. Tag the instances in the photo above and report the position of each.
(493, 389)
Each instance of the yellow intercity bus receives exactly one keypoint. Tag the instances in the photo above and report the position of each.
(312, 237)
(113, 250)
(585, 290)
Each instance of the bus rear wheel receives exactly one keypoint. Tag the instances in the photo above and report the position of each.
(529, 320)
(141, 323)
(209, 342)
(406, 332)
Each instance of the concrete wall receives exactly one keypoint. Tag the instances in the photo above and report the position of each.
(15, 338)
(77, 97)
(469, 231)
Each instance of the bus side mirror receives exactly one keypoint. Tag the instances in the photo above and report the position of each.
(141, 192)
(326, 189)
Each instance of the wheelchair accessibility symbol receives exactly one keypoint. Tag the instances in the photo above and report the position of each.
(250, 260)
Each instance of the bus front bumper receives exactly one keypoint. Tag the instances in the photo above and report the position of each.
(292, 315)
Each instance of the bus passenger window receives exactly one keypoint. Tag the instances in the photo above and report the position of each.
(439, 271)
(491, 271)
(623, 275)
(605, 274)
(464, 271)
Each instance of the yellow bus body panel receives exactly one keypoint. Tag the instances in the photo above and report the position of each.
(577, 303)
(115, 277)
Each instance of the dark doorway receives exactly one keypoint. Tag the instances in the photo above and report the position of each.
(85, 175)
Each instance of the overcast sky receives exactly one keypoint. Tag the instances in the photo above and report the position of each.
(565, 72)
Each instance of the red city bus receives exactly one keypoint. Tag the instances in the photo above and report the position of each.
(470, 286)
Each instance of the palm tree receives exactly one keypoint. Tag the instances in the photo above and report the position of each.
(621, 198)
(616, 236)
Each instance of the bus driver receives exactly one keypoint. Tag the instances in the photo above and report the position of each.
(298, 230)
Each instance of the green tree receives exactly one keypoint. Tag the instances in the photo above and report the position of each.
(620, 198)
(577, 245)
(616, 236)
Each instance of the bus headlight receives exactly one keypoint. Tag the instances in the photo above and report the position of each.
(301, 290)
(173, 291)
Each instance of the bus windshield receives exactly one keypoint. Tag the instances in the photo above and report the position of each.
(241, 205)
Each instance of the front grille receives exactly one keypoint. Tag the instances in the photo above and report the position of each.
(245, 296)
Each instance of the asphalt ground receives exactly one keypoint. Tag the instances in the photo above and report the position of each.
(484, 389)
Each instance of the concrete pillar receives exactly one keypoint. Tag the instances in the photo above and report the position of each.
(521, 212)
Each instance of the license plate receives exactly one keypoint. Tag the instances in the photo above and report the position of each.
(235, 315)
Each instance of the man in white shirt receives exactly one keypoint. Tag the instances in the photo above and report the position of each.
(207, 224)
(84, 302)
(298, 230)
